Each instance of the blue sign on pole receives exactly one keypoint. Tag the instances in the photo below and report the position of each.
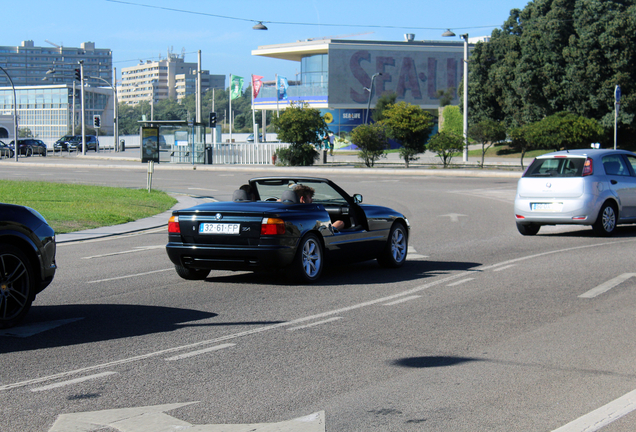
(617, 94)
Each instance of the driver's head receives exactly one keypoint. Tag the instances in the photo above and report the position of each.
(305, 193)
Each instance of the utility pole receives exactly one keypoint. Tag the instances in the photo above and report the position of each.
(81, 62)
(115, 109)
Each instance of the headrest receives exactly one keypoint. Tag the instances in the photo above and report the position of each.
(240, 195)
(289, 196)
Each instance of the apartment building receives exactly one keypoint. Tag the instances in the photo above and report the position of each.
(171, 78)
(29, 65)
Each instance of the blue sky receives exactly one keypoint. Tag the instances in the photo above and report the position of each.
(222, 30)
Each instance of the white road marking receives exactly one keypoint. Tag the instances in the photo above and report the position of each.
(504, 267)
(28, 330)
(203, 189)
(73, 381)
(130, 276)
(602, 416)
(604, 287)
(459, 282)
(153, 418)
(454, 217)
(258, 330)
(137, 249)
(413, 255)
(203, 351)
(402, 300)
(314, 323)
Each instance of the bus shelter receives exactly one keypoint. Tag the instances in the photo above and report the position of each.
(173, 141)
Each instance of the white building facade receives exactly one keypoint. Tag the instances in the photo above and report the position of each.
(172, 78)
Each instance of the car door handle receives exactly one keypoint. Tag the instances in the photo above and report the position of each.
(613, 182)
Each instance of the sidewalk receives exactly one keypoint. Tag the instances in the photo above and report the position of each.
(342, 162)
(155, 221)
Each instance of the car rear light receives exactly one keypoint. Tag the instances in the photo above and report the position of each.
(519, 216)
(272, 226)
(588, 168)
(173, 225)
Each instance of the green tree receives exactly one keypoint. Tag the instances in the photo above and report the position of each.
(519, 140)
(554, 56)
(446, 96)
(384, 101)
(372, 142)
(453, 120)
(302, 127)
(446, 144)
(487, 132)
(563, 131)
(411, 126)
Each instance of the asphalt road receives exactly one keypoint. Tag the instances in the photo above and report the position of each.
(482, 329)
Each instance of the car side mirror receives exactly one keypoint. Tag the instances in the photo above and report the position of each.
(357, 198)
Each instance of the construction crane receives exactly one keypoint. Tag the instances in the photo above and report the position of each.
(49, 42)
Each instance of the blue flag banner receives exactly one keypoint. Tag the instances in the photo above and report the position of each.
(282, 86)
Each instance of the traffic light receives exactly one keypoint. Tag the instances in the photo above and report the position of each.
(78, 75)
(212, 119)
(97, 121)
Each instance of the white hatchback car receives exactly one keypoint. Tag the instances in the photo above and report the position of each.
(581, 187)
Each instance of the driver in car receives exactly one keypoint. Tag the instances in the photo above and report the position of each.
(306, 196)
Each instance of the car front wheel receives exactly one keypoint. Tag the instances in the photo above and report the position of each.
(309, 260)
(191, 274)
(605, 224)
(17, 285)
(394, 253)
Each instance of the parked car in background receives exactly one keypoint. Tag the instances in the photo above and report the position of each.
(250, 138)
(6, 151)
(37, 146)
(273, 230)
(27, 260)
(62, 143)
(578, 187)
(74, 142)
(24, 148)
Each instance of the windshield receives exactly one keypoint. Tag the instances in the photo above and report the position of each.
(274, 188)
(556, 167)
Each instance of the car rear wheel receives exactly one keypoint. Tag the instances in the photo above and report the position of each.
(191, 274)
(17, 285)
(605, 224)
(309, 260)
(394, 253)
(528, 229)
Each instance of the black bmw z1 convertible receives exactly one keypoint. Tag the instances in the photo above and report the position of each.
(270, 228)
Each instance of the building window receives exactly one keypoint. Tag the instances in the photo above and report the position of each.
(314, 70)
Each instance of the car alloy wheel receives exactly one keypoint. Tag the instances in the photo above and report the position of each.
(16, 285)
(396, 248)
(605, 224)
(309, 259)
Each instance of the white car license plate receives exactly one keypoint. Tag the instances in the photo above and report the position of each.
(554, 207)
(219, 228)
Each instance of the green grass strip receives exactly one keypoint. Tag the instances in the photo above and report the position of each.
(72, 207)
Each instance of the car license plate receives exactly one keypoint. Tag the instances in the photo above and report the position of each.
(219, 228)
(554, 207)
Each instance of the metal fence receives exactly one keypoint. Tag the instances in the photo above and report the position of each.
(244, 154)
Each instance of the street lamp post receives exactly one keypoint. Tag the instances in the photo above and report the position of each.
(449, 33)
(15, 116)
(370, 90)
